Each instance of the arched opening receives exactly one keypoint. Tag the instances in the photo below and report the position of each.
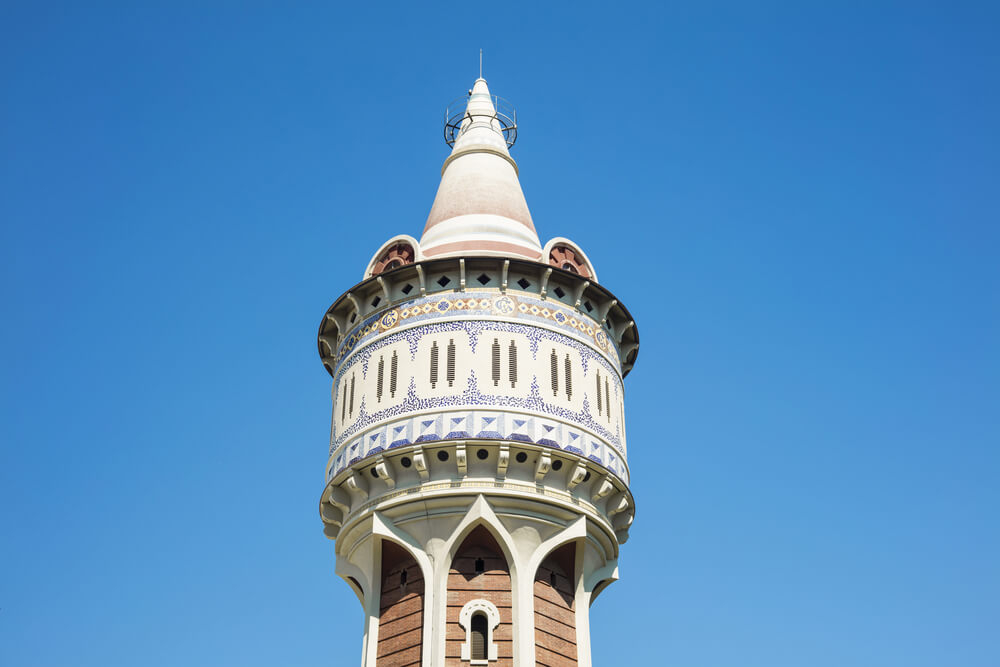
(555, 615)
(400, 629)
(479, 573)
(393, 257)
(479, 630)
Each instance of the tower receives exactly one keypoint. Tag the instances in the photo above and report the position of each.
(477, 485)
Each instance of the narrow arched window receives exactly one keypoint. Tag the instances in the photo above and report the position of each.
(512, 351)
(392, 375)
(479, 630)
(434, 365)
(496, 362)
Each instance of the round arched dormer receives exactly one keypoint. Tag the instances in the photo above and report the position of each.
(566, 255)
(394, 253)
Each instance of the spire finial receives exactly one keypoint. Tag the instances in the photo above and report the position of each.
(480, 63)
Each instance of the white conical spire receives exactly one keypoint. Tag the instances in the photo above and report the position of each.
(479, 208)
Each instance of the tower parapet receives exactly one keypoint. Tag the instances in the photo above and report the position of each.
(477, 483)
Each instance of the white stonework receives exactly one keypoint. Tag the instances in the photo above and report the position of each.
(478, 381)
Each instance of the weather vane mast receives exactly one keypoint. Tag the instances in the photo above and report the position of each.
(480, 63)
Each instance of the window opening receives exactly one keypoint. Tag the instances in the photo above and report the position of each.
(524, 283)
(402, 578)
(480, 566)
(443, 281)
(552, 579)
(478, 628)
(376, 301)
(407, 288)
(483, 278)
(559, 292)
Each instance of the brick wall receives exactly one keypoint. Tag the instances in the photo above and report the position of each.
(555, 619)
(493, 584)
(400, 630)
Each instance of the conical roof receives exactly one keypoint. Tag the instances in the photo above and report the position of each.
(479, 208)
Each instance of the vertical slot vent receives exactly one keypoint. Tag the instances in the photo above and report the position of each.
(434, 365)
(496, 362)
(569, 378)
(451, 362)
(555, 373)
(599, 406)
(350, 409)
(512, 354)
(607, 398)
(381, 375)
(341, 396)
(393, 368)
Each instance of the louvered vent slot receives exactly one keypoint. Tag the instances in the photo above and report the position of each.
(451, 362)
(343, 403)
(555, 373)
(379, 383)
(607, 398)
(478, 632)
(599, 407)
(569, 378)
(350, 409)
(394, 366)
(496, 362)
(512, 353)
(434, 365)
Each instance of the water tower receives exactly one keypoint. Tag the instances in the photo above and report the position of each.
(477, 485)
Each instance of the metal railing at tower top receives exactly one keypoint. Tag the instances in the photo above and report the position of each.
(457, 116)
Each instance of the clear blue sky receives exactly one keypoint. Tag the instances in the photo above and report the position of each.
(798, 204)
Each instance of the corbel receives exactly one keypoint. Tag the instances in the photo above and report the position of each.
(385, 288)
(579, 473)
(579, 293)
(542, 467)
(354, 302)
(461, 275)
(337, 497)
(618, 503)
(503, 458)
(606, 310)
(422, 279)
(604, 488)
(545, 282)
(420, 463)
(385, 471)
(460, 458)
(503, 276)
(356, 482)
